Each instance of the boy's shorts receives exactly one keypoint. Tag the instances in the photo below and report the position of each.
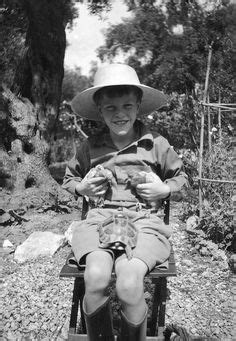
(152, 247)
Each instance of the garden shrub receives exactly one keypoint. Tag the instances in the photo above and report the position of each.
(216, 221)
(217, 217)
(61, 150)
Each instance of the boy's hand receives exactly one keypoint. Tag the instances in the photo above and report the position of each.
(153, 191)
(96, 186)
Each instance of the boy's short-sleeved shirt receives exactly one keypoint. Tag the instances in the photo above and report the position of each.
(148, 152)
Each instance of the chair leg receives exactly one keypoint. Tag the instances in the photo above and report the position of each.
(157, 321)
(78, 293)
(162, 309)
(82, 318)
(155, 307)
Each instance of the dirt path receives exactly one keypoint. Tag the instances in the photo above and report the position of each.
(37, 303)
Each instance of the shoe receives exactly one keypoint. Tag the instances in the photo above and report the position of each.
(99, 323)
(130, 331)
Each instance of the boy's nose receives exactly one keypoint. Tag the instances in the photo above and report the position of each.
(119, 113)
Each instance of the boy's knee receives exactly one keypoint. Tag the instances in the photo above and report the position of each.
(129, 289)
(96, 279)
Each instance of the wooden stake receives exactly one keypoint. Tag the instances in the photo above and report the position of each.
(217, 105)
(219, 117)
(202, 128)
(209, 124)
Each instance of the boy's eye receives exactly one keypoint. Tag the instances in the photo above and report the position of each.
(128, 106)
(110, 108)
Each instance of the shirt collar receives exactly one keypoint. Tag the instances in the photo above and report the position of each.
(144, 137)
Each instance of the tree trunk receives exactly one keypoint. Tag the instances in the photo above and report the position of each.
(28, 112)
(24, 153)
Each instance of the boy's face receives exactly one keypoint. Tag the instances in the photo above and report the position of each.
(119, 113)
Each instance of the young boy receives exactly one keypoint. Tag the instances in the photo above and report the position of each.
(132, 171)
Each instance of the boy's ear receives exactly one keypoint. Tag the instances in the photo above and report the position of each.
(138, 105)
(100, 113)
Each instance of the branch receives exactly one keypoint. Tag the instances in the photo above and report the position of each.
(213, 180)
(76, 124)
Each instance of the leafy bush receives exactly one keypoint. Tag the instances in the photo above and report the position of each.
(216, 221)
(62, 150)
(217, 211)
(218, 225)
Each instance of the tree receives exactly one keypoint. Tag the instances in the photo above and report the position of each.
(167, 43)
(30, 98)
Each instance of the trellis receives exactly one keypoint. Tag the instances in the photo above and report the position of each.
(206, 105)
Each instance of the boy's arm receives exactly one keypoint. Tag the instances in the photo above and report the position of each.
(171, 180)
(76, 169)
(173, 172)
(75, 180)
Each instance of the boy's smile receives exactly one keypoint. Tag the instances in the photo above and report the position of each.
(119, 114)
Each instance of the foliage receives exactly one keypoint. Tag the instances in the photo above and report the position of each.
(216, 222)
(217, 225)
(168, 44)
(35, 77)
(54, 204)
(62, 149)
(74, 82)
(71, 130)
(10, 216)
(14, 19)
(178, 122)
(12, 32)
(98, 7)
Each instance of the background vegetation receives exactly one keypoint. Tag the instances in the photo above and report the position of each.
(167, 42)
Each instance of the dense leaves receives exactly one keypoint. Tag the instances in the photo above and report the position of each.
(73, 82)
(216, 222)
(12, 35)
(168, 44)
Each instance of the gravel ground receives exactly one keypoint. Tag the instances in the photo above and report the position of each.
(36, 303)
(201, 295)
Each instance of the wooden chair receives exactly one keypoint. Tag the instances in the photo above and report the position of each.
(158, 277)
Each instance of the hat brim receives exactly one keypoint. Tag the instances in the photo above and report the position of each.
(84, 105)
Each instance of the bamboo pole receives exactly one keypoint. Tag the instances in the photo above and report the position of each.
(219, 118)
(218, 181)
(217, 105)
(202, 128)
(227, 104)
(209, 124)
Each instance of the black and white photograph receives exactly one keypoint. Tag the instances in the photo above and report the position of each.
(117, 170)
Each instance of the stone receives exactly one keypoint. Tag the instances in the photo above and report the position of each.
(7, 244)
(187, 262)
(192, 223)
(4, 218)
(39, 244)
(8, 247)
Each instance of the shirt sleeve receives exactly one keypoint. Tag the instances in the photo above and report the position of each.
(172, 168)
(77, 168)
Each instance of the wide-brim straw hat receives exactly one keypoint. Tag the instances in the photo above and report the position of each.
(112, 75)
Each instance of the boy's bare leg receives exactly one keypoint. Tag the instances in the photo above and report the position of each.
(97, 277)
(130, 290)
